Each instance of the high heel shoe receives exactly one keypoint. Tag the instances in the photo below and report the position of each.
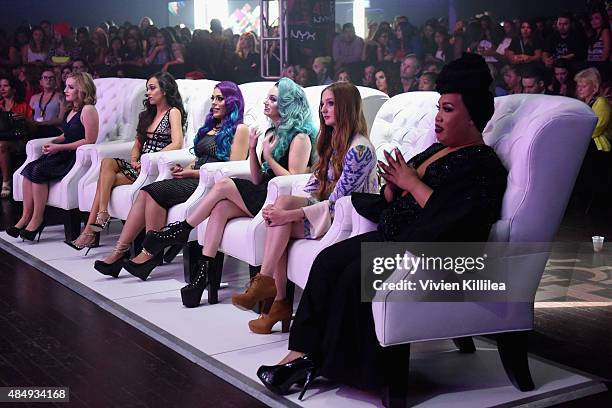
(191, 295)
(280, 378)
(26, 234)
(176, 233)
(143, 270)
(101, 222)
(281, 311)
(261, 287)
(13, 231)
(89, 243)
(113, 268)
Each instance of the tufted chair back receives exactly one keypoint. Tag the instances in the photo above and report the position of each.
(119, 102)
(527, 131)
(254, 94)
(196, 101)
(371, 99)
(405, 121)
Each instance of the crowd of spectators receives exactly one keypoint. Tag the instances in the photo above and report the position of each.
(542, 55)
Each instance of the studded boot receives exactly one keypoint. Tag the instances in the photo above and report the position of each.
(176, 233)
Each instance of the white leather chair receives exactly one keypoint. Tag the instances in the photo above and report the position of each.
(244, 238)
(541, 140)
(116, 101)
(195, 94)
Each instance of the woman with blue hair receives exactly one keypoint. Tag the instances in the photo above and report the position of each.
(286, 150)
(222, 137)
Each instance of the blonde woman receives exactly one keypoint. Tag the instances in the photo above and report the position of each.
(80, 127)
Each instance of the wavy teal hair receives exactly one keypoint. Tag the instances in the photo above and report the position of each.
(295, 118)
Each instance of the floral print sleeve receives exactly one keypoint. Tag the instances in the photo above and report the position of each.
(359, 163)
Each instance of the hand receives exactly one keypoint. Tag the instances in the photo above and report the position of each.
(159, 48)
(253, 137)
(18, 116)
(178, 172)
(398, 172)
(268, 146)
(275, 217)
(136, 165)
(51, 148)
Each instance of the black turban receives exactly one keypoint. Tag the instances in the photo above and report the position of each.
(470, 77)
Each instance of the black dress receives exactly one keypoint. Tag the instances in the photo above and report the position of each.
(158, 139)
(332, 322)
(254, 195)
(168, 193)
(52, 167)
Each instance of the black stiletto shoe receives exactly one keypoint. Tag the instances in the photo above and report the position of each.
(26, 234)
(280, 378)
(176, 233)
(113, 268)
(191, 295)
(143, 270)
(91, 242)
(13, 231)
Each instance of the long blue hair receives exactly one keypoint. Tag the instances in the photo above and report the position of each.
(234, 113)
(295, 118)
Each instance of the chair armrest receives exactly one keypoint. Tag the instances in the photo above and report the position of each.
(34, 148)
(168, 159)
(341, 227)
(360, 225)
(239, 169)
(291, 185)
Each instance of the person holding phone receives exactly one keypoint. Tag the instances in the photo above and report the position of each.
(222, 137)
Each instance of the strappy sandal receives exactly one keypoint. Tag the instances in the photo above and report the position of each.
(113, 268)
(101, 222)
(85, 240)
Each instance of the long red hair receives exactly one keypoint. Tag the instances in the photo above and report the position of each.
(334, 142)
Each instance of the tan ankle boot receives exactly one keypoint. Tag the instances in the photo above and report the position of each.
(280, 311)
(260, 288)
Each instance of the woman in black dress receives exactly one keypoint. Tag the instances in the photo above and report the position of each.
(160, 127)
(450, 192)
(286, 150)
(223, 137)
(80, 127)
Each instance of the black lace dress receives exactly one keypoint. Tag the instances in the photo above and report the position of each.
(154, 142)
(55, 166)
(168, 193)
(332, 322)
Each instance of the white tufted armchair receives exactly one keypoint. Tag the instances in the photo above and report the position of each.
(541, 140)
(117, 104)
(244, 238)
(194, 94)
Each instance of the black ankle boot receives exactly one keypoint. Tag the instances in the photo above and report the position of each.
(191, 294)
(280, 378)
(176, 233)
(143, 270)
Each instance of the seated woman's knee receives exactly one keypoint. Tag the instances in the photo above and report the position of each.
(285, 202)
(224, 186)
(107, 164)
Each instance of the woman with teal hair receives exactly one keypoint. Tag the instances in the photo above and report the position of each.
(287, 146)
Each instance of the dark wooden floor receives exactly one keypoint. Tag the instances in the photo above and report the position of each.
(52, 336)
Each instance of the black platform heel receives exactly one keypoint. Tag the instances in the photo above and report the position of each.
(191, 294)
(280, 378)
(143, 270)
(28, 235)
(114, 268)
(13, 231)
(176, 233)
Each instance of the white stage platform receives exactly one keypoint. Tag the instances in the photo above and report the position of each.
(217, 337)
